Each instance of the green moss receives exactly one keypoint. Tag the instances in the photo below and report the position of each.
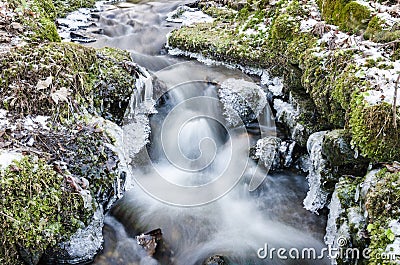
(348, 15)
(115, 83)
(346, 191)
(354, 17)
(219, 13)
(47, 31)
(65, 6)
(374, 26)
(35, 212)
(375, 31)
(396, 52)
(98, 81)
(284, 28)
(373, 131)
(330, 83)
(69, 65)
(383, 205)
(331, 9)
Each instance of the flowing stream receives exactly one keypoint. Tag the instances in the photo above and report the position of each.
(179, 187)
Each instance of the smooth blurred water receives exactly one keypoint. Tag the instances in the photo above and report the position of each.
(191, 146)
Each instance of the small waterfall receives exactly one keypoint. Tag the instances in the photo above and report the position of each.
(191, 147)
(190, 171)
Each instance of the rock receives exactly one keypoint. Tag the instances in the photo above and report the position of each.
(267, 152)
(337, 149)
(215, 260)
(243, 101)
(149, 240)
(82, 247)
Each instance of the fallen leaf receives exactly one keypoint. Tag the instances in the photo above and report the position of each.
(44, 84)
(60, 95)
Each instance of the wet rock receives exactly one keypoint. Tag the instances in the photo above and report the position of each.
(267, 152)
(337, 149)
(149, 240)
(243, 101)
(81, 247)
(215, 260)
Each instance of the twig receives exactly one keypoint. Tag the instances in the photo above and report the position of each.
(10, 217)
(389, 43)
(395, 103)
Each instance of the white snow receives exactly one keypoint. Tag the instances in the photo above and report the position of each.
(188, 16)
(32, 123)
(283, 107)
(3, 117)
(307, 25)
(394, 226)
(393, 250)
(7, 157)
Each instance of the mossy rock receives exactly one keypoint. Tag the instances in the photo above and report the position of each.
(372, 130)
(115, 83)
(376, 32)
(336, 147)
(70, 67)
(383, 205)
(66, 80)
(354, 17)
(330, 84)
(331, 9)
(37, 17)
(36, 212)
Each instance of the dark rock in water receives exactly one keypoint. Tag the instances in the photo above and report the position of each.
(149, 240)
(77, 37)
(215, 260)
(95, 15)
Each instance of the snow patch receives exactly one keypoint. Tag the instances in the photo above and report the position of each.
(7, 157)
(188, 16)
(308, 25)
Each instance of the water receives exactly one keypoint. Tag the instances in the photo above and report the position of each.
(193, 179)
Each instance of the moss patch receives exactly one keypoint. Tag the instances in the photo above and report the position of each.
(81, 79)
(354, 17)
(373, 130)
(38, 16)
(383, 205)
(35, 211)
(330, 82)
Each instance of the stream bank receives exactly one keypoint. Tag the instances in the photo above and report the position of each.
(61, 107)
